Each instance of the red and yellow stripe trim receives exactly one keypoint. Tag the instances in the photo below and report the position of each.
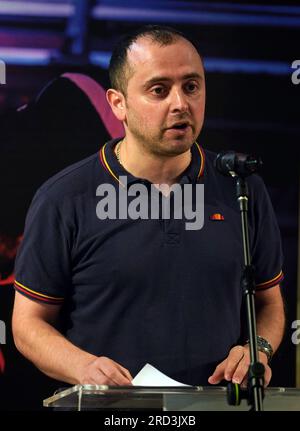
(36, 295)
(106, 165)
(271, 283)
(202, 163)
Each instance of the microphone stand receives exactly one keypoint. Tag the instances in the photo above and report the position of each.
(256, 369)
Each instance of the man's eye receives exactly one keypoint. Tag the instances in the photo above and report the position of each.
(191, 87)
(158, 91)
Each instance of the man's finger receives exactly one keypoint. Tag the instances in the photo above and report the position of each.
(241, 371)
(113, 372)
(99, 378)
(116, 376)
(125, 372)
(236, 355)
(218, 374)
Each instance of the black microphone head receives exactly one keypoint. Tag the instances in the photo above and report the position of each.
(224, 162)
(233, 164)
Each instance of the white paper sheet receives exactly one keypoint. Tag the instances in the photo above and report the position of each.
(150, 376)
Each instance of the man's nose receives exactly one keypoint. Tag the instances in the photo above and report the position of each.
(178, 101)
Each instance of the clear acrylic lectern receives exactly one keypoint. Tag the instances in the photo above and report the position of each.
(199, 398)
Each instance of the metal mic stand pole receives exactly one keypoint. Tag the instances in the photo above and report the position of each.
(256, 368)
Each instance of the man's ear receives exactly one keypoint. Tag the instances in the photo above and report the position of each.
(117, 103)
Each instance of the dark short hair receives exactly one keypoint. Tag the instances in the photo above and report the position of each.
(119, 69)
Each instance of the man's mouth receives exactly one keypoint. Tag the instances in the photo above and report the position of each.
(179, 126)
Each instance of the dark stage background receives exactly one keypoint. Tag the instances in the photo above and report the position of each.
(251, 107)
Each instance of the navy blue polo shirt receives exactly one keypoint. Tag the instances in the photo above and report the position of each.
(146, 291)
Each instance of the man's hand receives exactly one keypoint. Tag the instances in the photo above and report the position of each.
(235, 367)
(105, 371)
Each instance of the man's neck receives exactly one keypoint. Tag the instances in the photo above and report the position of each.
(156, 169)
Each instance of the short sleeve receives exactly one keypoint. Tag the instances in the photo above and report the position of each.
(267, 256)
(42, 268)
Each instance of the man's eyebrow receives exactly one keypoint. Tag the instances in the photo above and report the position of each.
(193, 75)
(156, 79)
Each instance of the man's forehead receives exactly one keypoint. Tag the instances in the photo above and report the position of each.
(146, 50)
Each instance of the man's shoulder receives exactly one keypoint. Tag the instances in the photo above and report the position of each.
(71, 180)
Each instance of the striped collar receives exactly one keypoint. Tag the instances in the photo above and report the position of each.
(109, 162)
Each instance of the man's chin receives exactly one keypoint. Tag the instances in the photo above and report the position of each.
(177, 147)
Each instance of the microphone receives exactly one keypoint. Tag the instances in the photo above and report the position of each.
(234, 164)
